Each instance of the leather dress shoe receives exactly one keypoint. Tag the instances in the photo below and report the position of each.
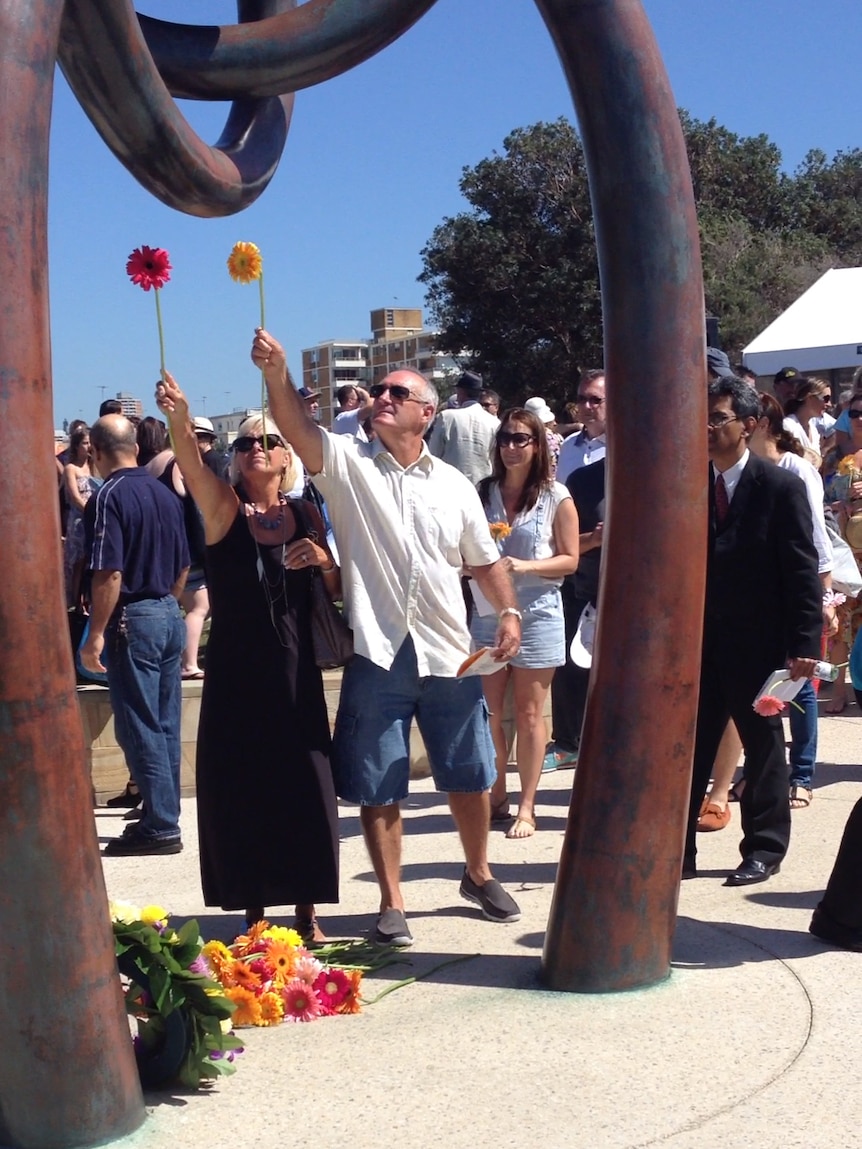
(752, 871)
(829, 930)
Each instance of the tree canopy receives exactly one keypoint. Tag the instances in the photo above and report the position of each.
(514, 280)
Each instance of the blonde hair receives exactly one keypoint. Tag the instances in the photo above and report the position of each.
(254, 425)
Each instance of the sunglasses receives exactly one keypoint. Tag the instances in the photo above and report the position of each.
(397, 391)
(245, 443)
(854, 414)
(514, 439)
(591, 400)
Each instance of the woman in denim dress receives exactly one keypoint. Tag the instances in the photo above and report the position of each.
(536, 525)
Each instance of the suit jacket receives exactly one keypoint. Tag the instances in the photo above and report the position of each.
(763, 594)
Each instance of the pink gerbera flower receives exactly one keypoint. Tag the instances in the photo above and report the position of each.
(332, 987)
(768, 705)
(149, 267)
(307, 969)
(301, 1003)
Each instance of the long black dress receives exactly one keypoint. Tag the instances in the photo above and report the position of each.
(267, 813)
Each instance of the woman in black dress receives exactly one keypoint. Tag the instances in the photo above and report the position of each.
(267, 813)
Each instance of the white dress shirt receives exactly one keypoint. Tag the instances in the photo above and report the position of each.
(403, 535)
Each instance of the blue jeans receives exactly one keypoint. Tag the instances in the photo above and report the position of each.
(144, 643)
(803, 736)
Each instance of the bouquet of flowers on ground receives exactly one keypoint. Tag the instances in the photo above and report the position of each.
(271, 977)
(183, 1019)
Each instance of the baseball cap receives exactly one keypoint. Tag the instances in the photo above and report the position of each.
(581, 649)
(306, 394)
(718, 363)
(786, 373)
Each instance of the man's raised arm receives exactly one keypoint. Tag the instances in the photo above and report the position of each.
(286, 404)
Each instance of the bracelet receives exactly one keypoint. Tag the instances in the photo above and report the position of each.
(329, 569)
(513, 610)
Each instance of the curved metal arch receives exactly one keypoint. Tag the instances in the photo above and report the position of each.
(126, 95)
(314, 42)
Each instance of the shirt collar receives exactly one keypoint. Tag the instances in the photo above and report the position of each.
(379, 450)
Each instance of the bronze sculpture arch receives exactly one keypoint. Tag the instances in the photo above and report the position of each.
(615, 903)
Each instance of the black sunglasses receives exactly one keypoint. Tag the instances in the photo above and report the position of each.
(397, 390)
(591, 400)
(246, 443)
(857, 414)
(514, 438)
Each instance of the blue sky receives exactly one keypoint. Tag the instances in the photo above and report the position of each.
(371, 166)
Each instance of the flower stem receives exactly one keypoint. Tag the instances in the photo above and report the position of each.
(262, 374)
(417, 977)
(162, 357)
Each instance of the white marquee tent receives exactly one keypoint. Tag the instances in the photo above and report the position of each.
(821, 331)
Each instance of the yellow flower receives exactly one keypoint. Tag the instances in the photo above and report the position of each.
(124, 912)
(220, 959)
(271, 1008)
(247, 1010)
(244, 262)
(283, 934)
(499, 531)
(154, 915)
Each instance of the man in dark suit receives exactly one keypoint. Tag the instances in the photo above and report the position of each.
(763, 611)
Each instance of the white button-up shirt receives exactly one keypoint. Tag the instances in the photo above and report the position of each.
(403, 534)
(579, 450)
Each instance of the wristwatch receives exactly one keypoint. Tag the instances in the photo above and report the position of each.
(513, 610)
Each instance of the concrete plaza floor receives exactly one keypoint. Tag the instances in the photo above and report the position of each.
(754, 1040)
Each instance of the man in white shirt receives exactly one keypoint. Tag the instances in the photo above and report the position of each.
(406, 523)
(590, 443)
(464, 435)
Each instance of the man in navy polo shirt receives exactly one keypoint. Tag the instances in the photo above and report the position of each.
(139, 559)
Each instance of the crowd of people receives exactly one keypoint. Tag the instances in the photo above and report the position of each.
(442, 533)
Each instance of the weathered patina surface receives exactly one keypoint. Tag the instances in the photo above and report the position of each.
(67, 1076)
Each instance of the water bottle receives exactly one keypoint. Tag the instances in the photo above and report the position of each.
(825, 671)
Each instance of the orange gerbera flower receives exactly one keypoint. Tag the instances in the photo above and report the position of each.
(220, 960)
(244, 262)
(352, 1002)
(244, 942)
(242, 974)
(247, 1010)
(282, 957)
(271, 1008)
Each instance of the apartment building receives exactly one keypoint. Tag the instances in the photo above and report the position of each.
(398, 339)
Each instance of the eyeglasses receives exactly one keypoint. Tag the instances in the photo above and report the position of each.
(716, 421)
(488, 405)
(397, 391)
(591, 400)
(514, 439)
(245, 443)
(854, 414)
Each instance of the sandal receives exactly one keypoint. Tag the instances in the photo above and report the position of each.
(500, 810)
(522, 827)
(800, 797)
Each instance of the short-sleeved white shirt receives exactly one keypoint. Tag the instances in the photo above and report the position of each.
(403, 535)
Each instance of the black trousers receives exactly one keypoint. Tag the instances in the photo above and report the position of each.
(843, 898)
(569, 684)
(727, 690)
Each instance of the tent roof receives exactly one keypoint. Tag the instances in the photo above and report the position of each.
(820, 331)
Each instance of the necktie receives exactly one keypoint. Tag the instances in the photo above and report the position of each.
(722, 503)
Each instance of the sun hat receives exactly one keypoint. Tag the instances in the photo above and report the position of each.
(538, 407)
(203, 426)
